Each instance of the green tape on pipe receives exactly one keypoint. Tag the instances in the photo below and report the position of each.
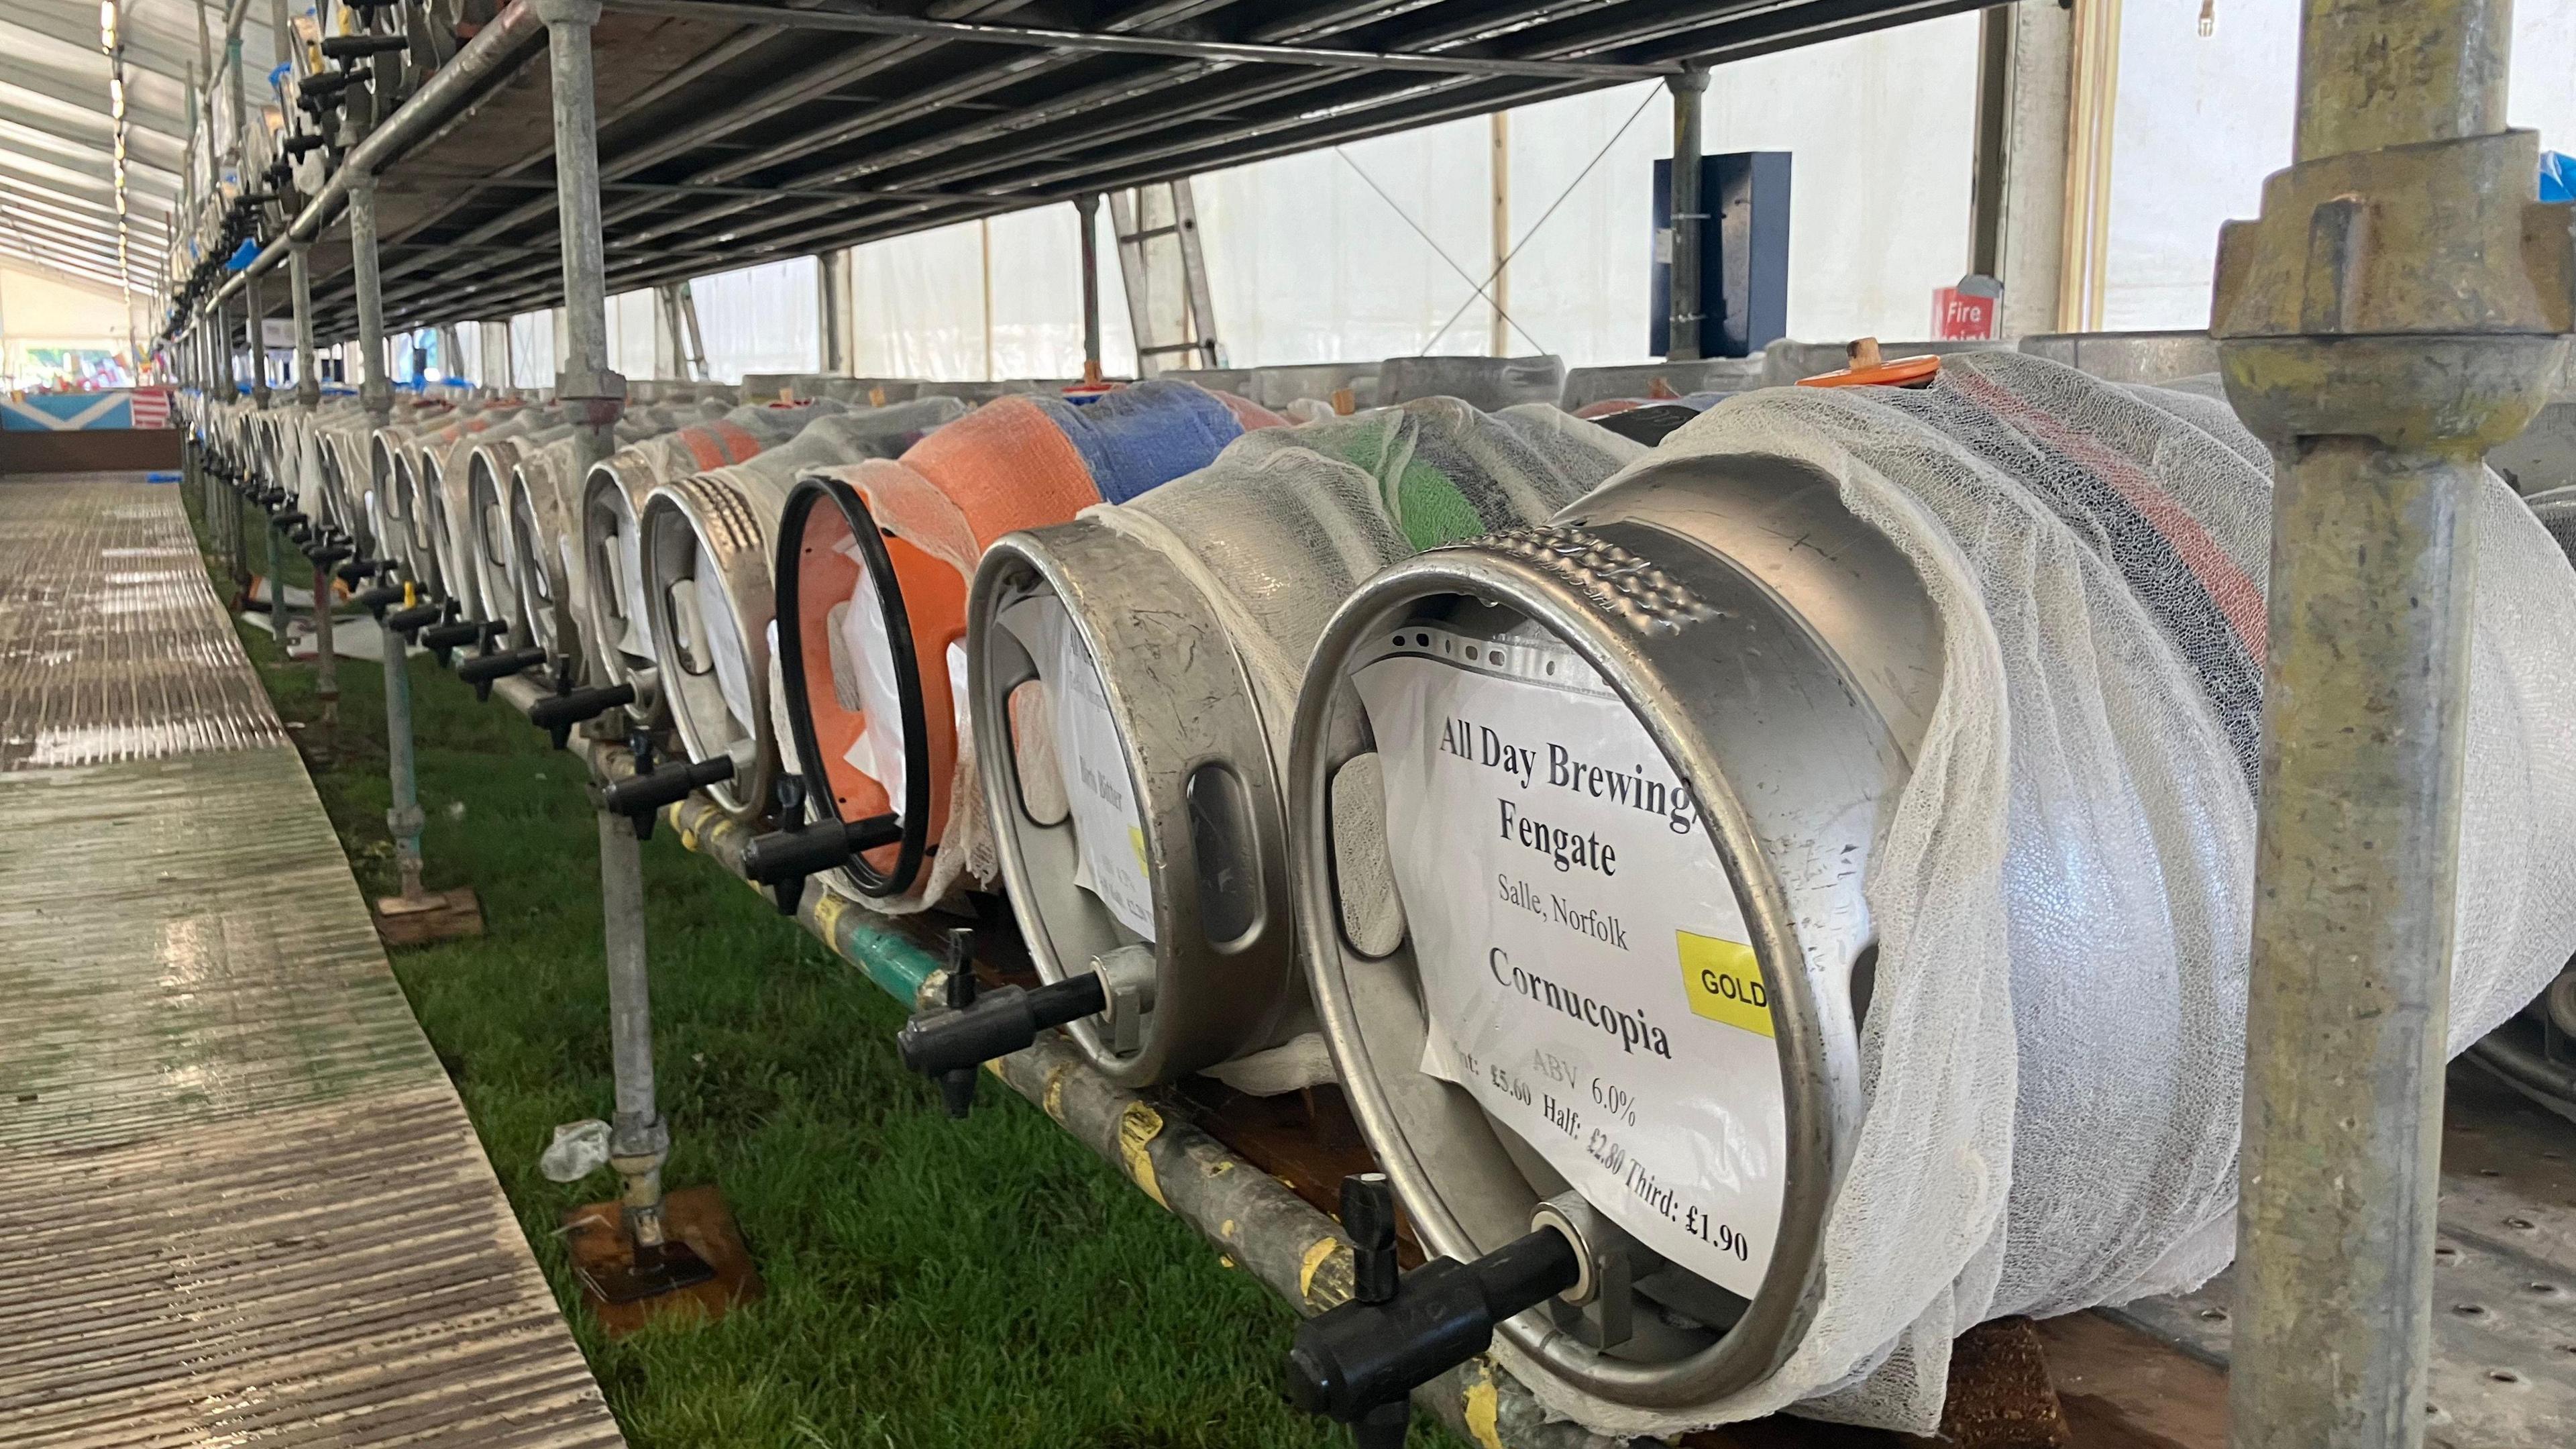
(893, 961)
(896, 963)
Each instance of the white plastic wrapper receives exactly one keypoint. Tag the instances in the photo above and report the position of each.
(868, 653)
(2055, 1043)
(625, 562)
(578, 1150)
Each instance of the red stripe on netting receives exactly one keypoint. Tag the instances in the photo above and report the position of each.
(703, 448)
(740, 443)
(2236, 595)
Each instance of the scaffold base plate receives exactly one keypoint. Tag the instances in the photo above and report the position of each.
(602, 1258)
(434, 917)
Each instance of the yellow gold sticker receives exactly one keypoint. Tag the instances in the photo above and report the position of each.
(1724, 983)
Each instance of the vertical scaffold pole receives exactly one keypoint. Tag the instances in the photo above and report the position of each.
(308, 377)
(1688, 88)
(222, 334)
(639, 1140)
(376, 395)
(254, 331)
(1087, 207)
(308, 396)
(2379, 371)
(191, 465)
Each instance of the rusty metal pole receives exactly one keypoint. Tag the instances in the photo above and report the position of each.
(2397, 309)
(1086, 208)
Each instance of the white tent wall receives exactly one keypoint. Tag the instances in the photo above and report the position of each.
(468, 365)
(630, 334)
(532, 349)
(2201, 120)
(1310, 264)
(1037, 296)
(920, 300)
(920, 305)
(1311, 258)
(766, 318)
(1881, 129)
(1579, 282)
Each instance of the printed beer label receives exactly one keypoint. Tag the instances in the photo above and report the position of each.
(1583, 958)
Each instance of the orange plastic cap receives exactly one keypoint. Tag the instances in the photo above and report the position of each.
(1869, 369)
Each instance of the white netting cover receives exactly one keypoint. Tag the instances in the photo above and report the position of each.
(2053, 1058)
(2556, 510)
(1287, 522)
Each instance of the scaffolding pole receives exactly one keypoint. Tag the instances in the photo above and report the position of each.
(2397, 309)
(1682, 340)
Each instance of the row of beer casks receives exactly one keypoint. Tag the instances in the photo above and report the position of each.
(1267, 719)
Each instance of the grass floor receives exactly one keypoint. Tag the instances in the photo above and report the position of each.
(930, 1283)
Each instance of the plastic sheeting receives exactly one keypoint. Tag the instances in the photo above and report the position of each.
(2201, 120)
(2055, 1038)
(708, 544)
(922, 300)
(532, 349)
(766, 318)
(1309, 263)
(634, 340)
(611, 611)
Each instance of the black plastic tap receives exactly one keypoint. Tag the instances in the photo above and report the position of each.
(996, 1024)
(358, 47)
(957, 1085)
(785, 858)
(443, 641)
(1361, 1362)
(377, 598)
(409, 622)
(567, 707)
(494, 665)
(641, 796)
